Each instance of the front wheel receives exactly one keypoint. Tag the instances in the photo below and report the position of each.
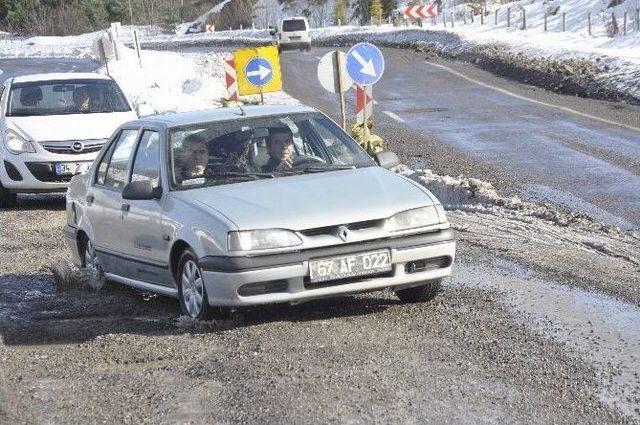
(7, 199)
(192, 292)
(420, 294)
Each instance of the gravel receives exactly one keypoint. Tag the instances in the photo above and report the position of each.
(118, 355)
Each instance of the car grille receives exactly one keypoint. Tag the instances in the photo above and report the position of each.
(331, 230)
(74, 147)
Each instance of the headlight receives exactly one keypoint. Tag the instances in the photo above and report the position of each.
(441, 214)
(262, 239)
(411, 219)
(17, 144)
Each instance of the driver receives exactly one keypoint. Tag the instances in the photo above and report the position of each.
(82, 98)
(195, 157)
(280, 149)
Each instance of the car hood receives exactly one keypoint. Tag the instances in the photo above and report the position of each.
(312, 200)
(70, 127)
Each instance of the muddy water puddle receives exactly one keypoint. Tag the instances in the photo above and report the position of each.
(601, 329)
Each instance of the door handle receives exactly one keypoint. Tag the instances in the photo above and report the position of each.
(90, 199)
(125, 207)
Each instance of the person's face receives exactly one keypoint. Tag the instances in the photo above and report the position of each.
(281, 146)
(83, 99)
(199, 156)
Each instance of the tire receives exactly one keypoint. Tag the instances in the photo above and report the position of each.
(420, 294)
(7, 199)
(91, 264)
(192, 291)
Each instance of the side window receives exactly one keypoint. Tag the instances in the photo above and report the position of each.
(104, 162)
(117, 169)
(146, 164)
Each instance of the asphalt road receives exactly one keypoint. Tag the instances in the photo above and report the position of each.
(579, 153)
(505, 342)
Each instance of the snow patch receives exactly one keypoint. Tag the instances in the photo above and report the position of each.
(478, 196)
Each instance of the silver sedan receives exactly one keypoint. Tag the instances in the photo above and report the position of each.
(244, 206)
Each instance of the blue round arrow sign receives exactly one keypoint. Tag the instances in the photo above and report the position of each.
(365, 64)
(259, 71)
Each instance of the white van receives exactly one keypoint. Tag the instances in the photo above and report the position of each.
(293, 33)
(52, 127)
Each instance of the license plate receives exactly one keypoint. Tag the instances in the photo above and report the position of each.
(295, 38)
(71, 168)
(352, 265)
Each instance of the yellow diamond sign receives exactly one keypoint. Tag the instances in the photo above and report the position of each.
(258, 70)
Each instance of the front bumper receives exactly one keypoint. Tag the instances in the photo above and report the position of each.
(224, 279)
(71, 241)
(36, 173)
(293, 45)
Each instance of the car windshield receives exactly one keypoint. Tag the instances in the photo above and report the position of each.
(245, 149)
(66, 97)
(294, 25)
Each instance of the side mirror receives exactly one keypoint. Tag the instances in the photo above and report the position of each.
(144, 110)
(141, 190)
(387, 159)
(272, 31)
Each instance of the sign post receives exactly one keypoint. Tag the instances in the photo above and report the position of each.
(103, 49)
(364, 103)
(333, 76)
(365, 65)
(136, 44)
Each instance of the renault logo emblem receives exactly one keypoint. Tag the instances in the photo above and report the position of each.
(343, 233)
(77, 146)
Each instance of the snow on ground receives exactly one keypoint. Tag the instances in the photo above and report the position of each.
(171, 82)
(165, 81)
(178, 82)
(555, 42)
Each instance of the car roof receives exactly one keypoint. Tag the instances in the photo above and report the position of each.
(220, 114)
(60, 76)
(289, 18)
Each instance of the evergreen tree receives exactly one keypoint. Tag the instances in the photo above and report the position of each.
(388, 6)
(375, 11)
(340, 12)
(117, 11)
(361, 11)
(95, 12)
(20, 13)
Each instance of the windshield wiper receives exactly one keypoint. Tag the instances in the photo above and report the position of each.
(239, 174)
(323, 168)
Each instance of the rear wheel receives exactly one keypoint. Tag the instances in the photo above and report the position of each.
(192, 291)
(7, 199)
(420, 294)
